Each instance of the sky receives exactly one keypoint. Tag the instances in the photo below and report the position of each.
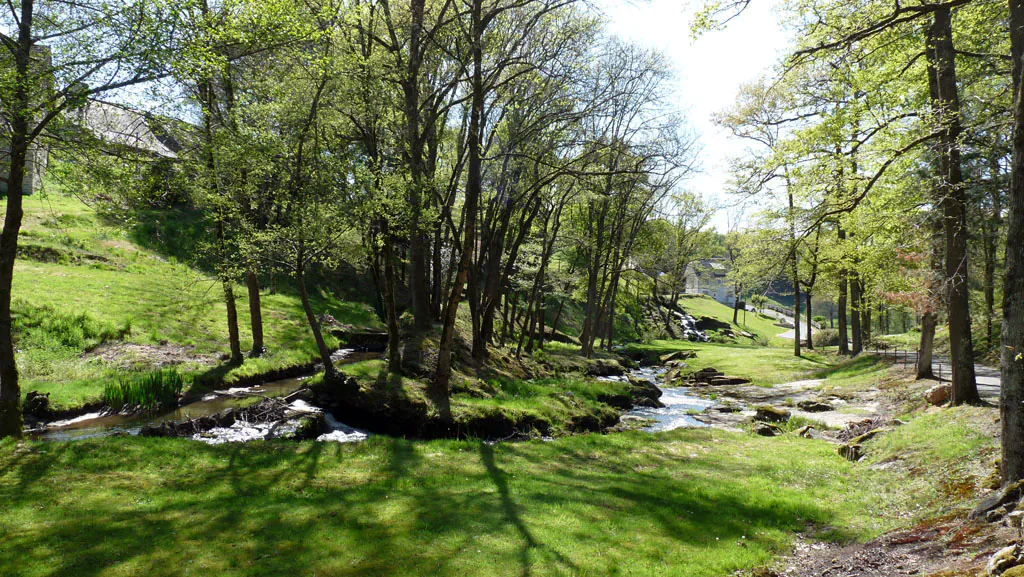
(708, 73)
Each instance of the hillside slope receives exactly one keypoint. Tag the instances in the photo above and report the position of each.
(89, 301)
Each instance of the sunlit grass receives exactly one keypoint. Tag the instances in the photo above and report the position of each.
(685, 503)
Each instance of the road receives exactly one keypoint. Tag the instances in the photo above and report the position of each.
(986, 377)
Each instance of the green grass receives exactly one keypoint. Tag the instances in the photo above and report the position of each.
(107, 288)
(949, 452)
(856, 374)
(763, 365)
(147, 391)
(686, 503)
(911, 340)
(762, 327)
(552, 405)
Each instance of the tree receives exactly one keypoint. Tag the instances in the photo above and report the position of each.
(58, 55)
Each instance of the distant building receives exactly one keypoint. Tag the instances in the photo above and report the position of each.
(708, 277)
(38, 154)
(125, 130)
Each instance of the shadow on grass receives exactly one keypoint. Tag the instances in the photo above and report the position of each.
(390, 506)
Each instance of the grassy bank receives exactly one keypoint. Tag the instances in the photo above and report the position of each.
(91, 303)
(491, 407)
(762, 327)
(690, 503)
(764, 365)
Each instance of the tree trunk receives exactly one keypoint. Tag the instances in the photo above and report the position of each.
(394, 338)
(314, 324)
(252, 284)
(844, 337)
(965, 389)
(11, 422)
(855, 303)
(473, 185)
(416, 144)
(927, 346)
(1011, 396)
(810, 325)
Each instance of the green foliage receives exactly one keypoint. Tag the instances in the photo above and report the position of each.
(826, 338)
(44, 327)
(146, 391)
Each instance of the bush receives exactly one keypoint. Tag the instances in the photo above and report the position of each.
(826, 338)
(146, 391)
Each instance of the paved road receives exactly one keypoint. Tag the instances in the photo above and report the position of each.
(986, 377)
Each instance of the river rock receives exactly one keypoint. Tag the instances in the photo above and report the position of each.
(771, 414)
(1010, 494)
(1003, 559)
(807, 432)
(648, 403)
(812, 406)
(767, 430)
(727, 407)
(605, 368)
(868, 435)
(36, 404)
(938, 395)
(850, 452)
(724, 381)
(677, 356)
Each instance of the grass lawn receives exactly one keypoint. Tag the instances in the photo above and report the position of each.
(82, 283)
(763, 365)
(688, 502)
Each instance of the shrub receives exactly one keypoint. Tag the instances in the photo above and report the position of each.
(826, 338)
(146, 391)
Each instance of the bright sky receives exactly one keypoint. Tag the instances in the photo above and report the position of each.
(708, 72)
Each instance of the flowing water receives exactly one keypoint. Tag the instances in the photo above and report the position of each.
(102, 425)
(680, 406)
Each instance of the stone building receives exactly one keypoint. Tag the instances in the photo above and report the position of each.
(709, 276)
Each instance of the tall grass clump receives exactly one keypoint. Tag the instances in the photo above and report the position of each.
(146, 391)
(47, 328)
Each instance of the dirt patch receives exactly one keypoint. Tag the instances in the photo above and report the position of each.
(939, 547)
(131, 355)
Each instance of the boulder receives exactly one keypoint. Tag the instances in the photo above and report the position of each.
(771, 414)
(767, 430)
(1003, 559)
(36, 404)
(1015, 519)
(1010, 494)
(938, 395)
(868, 436)
(605, 368)
(850, 452)
(812, 406)
(807, 432)
(677, 356)
(727, 407)
(722, 381)
(648, 403)
(1017, 571)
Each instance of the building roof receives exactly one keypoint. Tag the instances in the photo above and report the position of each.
(708, 266)
(123, 126)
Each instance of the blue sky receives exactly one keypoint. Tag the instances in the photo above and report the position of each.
(708, 72)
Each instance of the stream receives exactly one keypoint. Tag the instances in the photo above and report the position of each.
(102, 424)
(680, 405)
(679, 411)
